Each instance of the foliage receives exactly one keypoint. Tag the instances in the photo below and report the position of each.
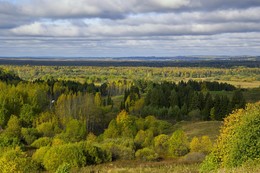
(74, 131)
(29, 135)
(47, 129)
(193, 157)
(121, 148)
(39, 154)
(146, 154)
(63, 168)
(178, 144)
(15, 160)
(96, 154)
(42, 142)
(144, 138)
(203, 145)
(69, 153)
(161, 144)
(238, 141)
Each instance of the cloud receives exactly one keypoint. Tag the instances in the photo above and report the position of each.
(140, 26)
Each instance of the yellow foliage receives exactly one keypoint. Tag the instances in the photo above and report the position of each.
(122, 116)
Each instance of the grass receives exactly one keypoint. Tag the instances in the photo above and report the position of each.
(201, 128)
(141, 167)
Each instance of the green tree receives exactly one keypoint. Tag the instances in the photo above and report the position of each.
(178, 144)
(238, 141)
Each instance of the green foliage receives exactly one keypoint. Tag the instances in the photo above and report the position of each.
(15, 160)
(96, 154)
(69, 153)
(48, 129)
(39, 154)
(204, 145)
(144, 138)
(146, 154)
(74, 131)
(178, 144)
(27, 115)
(121, 148)
(13, 128)
(161, 144)
(63, 168)
(123, 126)
(238, 141)
(42, 142)
(29, 135)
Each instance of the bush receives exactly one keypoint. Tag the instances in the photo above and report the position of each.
(144, 138)
(146, 154)
(15, 160)
(121, 148)
(193, 157)
(161, 143)
(41, 142)
(69, 153)
(64, 168)
(178, 144)
(47, 129)
(96, 154)
(204, 145)
(29, 135)
(238, 141)
(39, 154)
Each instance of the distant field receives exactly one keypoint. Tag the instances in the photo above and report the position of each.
(244, 84)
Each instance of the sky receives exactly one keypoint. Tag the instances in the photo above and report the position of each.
(123, 28)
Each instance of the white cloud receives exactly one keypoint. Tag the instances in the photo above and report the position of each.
(153, 26)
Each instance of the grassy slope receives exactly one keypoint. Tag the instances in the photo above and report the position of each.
(201, 128)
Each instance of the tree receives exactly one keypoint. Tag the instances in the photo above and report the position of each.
(27, 115)
(15, 160)
(238, 141)
(238, 100)
(98, 99)
(13, 127)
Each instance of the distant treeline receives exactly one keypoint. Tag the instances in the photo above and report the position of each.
(104, 63)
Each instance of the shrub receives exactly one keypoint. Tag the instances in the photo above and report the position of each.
(144, 138)
(204, 145)
(69, 153)
(64, 168)
(41, 142)
(39, 154)
(121, 148)
(47, 129)
(178, 144)
(193, 157)
(29, 135)
(15, 160)
(96, 154)
(161, 143)
(146, 154)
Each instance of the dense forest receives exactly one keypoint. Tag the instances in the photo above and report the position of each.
(103, 120)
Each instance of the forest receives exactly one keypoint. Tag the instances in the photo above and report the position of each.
(78, 118)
